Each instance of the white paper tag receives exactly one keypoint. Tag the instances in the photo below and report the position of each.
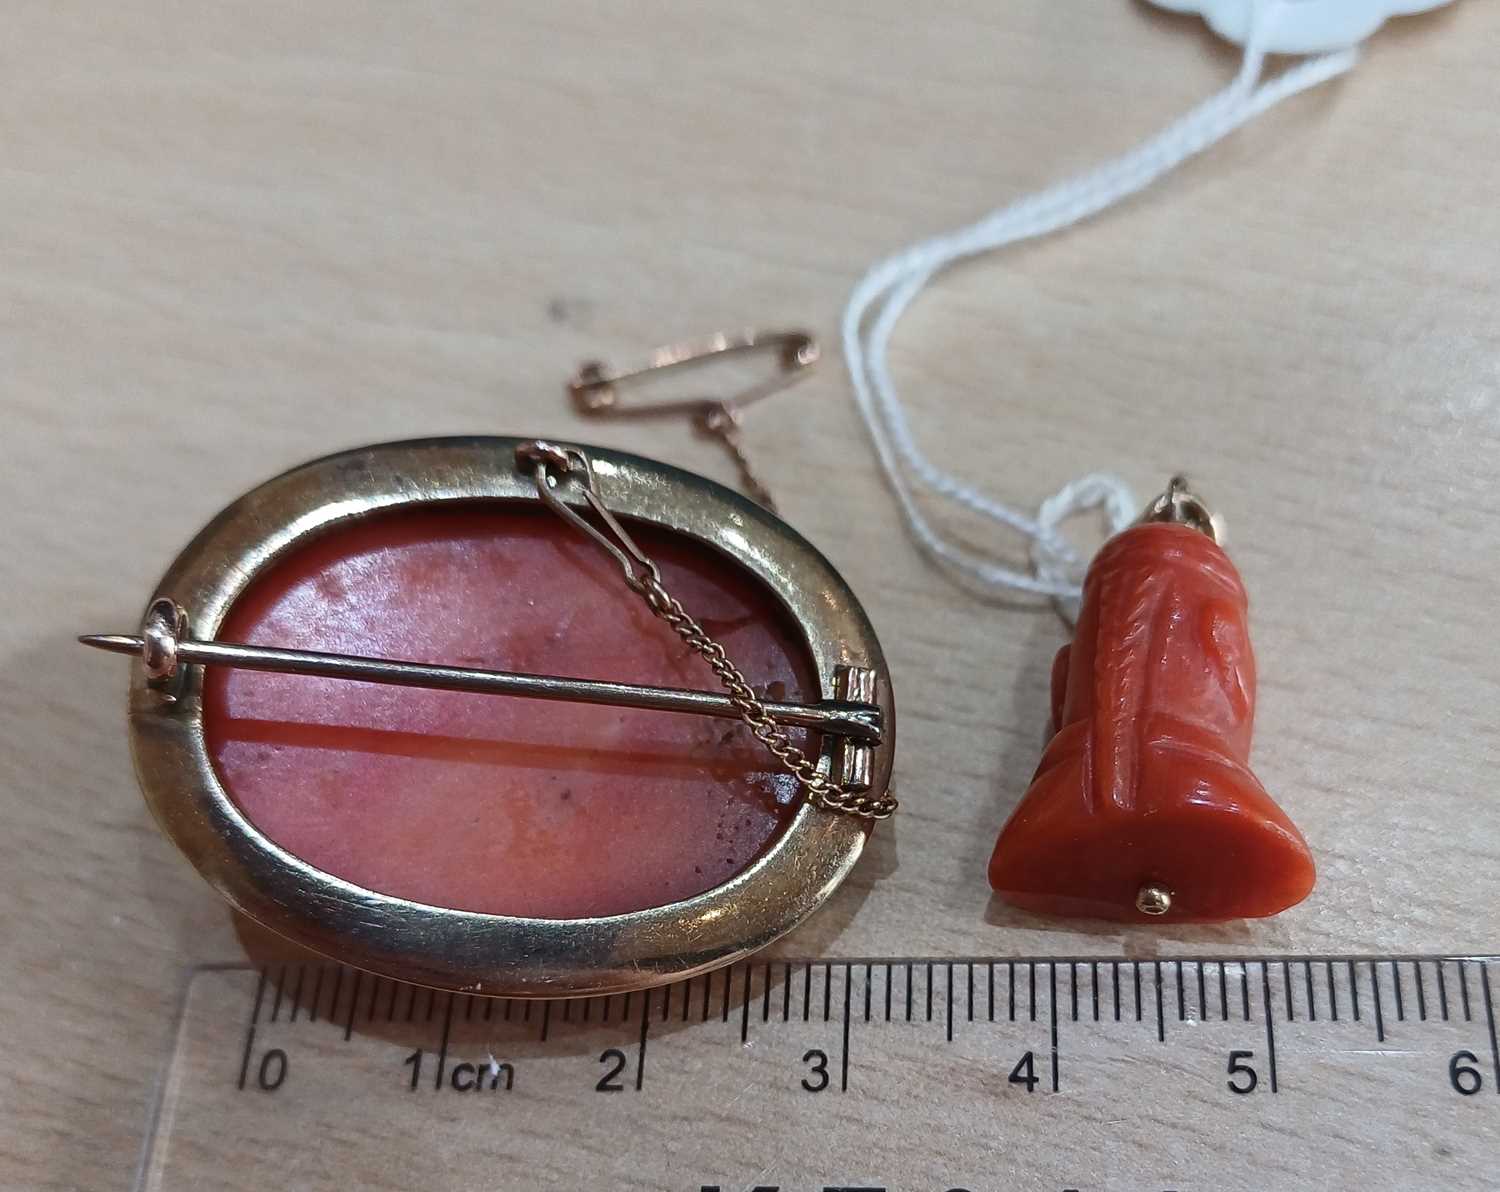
(1301, 26)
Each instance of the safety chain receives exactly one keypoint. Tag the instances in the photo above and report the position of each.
(644, 578)
(767, 729)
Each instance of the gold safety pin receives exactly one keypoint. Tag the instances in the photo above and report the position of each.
(595, 389)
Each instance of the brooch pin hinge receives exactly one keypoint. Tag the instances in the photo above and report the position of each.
(856, 684)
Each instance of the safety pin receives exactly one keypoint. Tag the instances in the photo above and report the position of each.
(595, 389)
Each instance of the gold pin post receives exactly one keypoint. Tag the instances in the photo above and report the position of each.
(845, 718)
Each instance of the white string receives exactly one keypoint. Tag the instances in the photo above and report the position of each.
(882, 296)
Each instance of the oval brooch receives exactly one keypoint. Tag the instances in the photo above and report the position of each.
(510, 717)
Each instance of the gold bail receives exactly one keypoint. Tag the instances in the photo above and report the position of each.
(1181, 506)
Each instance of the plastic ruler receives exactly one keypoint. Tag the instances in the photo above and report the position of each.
(927, 1075)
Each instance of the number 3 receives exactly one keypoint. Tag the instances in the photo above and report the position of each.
(819, 1062)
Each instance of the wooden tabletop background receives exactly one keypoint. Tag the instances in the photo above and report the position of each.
(238, 236)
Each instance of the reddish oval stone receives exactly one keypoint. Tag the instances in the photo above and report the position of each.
(489, 803)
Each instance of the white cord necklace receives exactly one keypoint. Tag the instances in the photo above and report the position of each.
(882, 296)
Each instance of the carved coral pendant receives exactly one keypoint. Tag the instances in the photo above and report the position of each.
(1144, 805)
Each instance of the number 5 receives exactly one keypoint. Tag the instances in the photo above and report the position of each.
(1238, 1067)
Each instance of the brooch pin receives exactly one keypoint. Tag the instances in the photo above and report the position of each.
(1144, 804)
(306, 721)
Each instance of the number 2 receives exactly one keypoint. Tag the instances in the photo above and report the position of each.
(608, 1082)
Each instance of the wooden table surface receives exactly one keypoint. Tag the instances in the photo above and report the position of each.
(239, 236)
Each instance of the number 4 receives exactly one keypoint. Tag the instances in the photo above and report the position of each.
(1025, 1072)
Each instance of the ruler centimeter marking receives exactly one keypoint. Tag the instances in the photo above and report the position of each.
(1489, 1010)
(1413, 1040)
(948, 998)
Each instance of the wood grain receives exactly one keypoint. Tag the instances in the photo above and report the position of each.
(238, 236)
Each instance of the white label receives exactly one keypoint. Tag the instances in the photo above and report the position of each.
(1301, 26)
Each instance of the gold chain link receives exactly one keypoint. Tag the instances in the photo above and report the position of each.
(644, 578)
(722, 422)
(822, 790)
